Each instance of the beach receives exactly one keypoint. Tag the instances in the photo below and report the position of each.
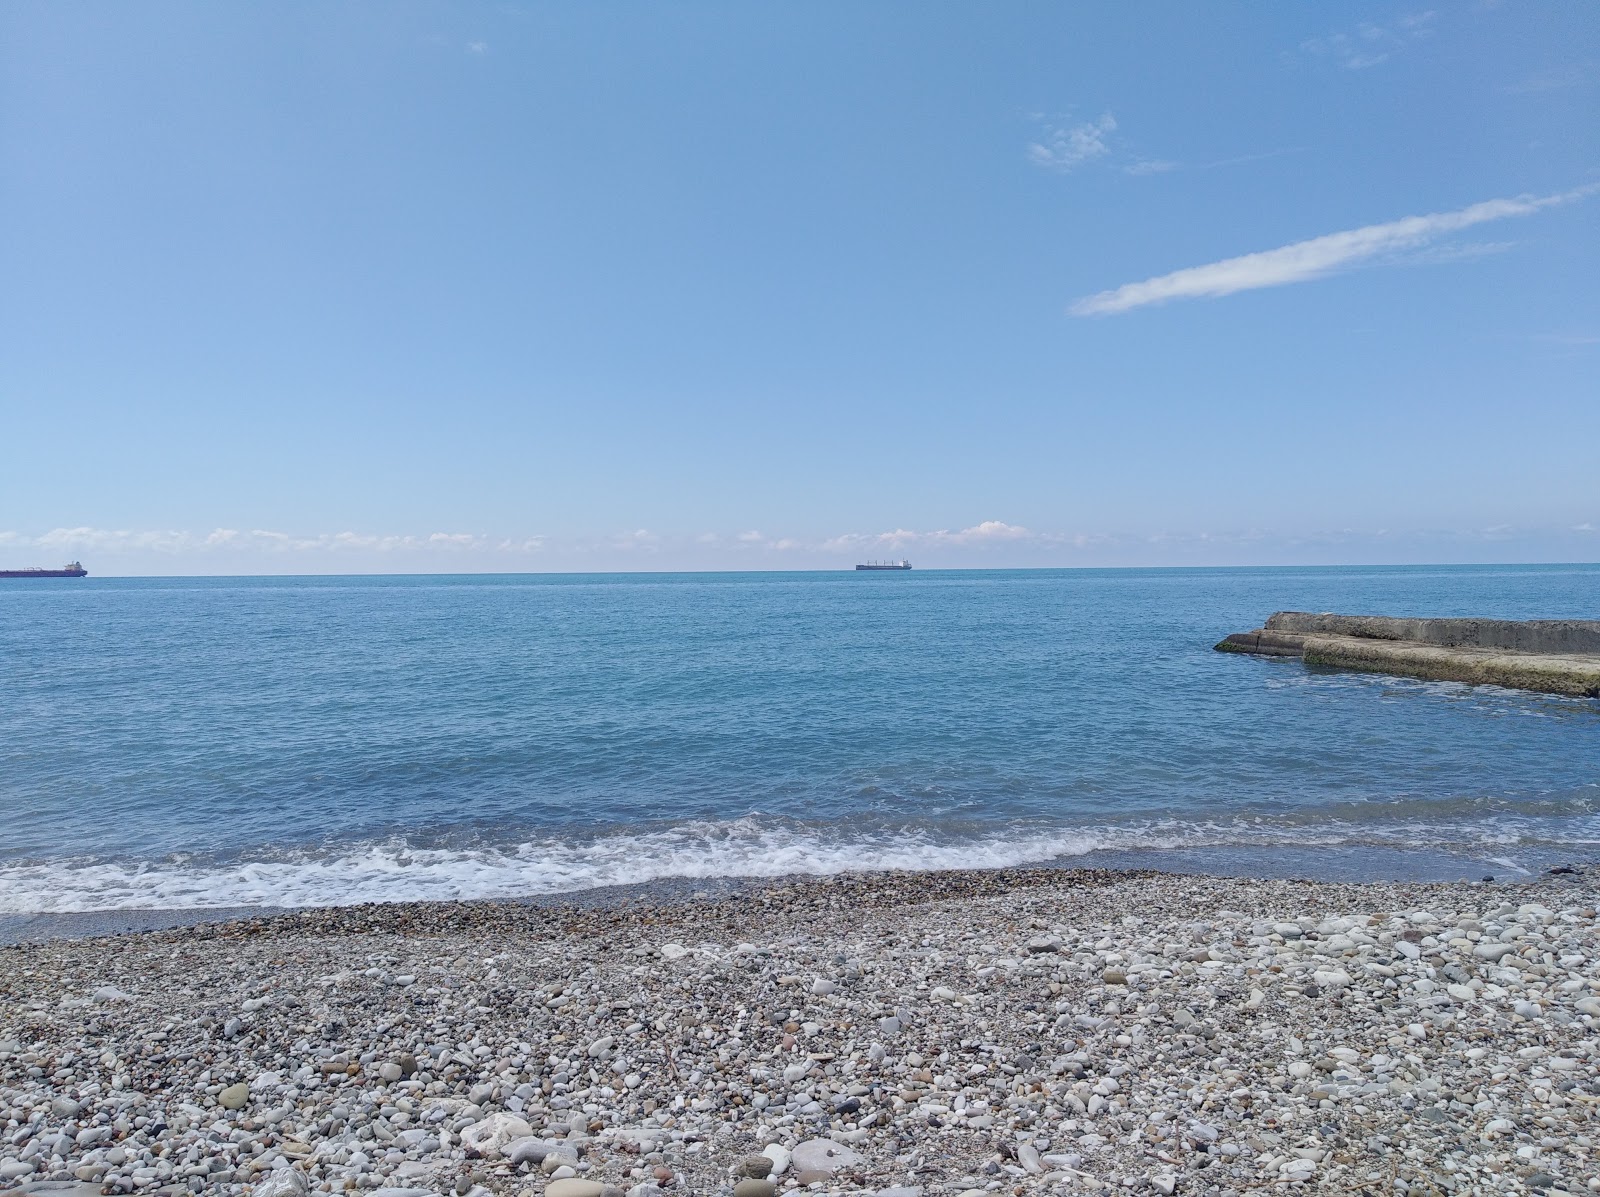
(1007, 1031)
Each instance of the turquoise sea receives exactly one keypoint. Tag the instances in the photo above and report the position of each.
(287, 741)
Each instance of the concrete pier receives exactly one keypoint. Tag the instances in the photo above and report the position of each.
(1552, 656)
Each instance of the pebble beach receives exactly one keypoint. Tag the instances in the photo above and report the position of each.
(907, 1035)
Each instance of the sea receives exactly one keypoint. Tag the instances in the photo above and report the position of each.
(185, 744)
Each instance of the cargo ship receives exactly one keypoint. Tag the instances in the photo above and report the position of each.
(901, 564)
(74, 570)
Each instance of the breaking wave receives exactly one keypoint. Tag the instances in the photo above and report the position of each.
(753, 847)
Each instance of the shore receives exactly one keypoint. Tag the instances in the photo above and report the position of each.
(1013, 1031)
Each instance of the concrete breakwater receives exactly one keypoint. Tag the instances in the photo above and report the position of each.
(1553, 656)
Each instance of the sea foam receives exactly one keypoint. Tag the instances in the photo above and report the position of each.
(749, 848)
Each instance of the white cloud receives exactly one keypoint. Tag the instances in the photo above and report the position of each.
(640, 539)
(477, 47)
(1150, 166)
(226, 550)
(1320, 256)
(992, 530)
(1370, 44)
(109, 540)
(1437, 255)
(1065, 147)
(112, 540)
(988, 532)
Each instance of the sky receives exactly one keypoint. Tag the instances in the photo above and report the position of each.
(448, 287)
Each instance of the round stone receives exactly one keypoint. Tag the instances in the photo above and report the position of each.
(823, 1155)
(572, 1186)
(234, 1097)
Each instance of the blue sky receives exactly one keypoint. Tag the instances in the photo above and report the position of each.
(449, 286)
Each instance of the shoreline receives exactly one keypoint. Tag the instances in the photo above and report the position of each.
(1010, 1030)
(1339, 864)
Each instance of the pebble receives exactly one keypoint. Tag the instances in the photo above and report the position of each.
(1002, 1033)
(780, 1157)
(757, 1167)
(573, 1187)
(494, 1133)
(284, 1182)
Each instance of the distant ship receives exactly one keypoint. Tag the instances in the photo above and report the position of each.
(901, 564)
(73, 570)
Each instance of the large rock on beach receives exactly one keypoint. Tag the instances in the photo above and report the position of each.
(822, 1155)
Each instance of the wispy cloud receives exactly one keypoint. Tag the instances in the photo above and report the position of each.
(1316, 258)
(1243, 159)
(226, 550)
(1570, 340)
(639, 540)
(121, 540)
(1369, 44)
(1162, 166)
(1150, 166)
(988, 532)
(1559, 78)
(477, 47)
(1064, 147)
(1466, 251)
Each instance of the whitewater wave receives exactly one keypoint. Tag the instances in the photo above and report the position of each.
(752, 847)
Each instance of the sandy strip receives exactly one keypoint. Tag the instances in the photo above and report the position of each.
(1011, 1032)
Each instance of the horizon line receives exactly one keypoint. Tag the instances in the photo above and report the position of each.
(846, 569)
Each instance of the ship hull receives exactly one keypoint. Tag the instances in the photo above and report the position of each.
(878, 568)
(44, 573)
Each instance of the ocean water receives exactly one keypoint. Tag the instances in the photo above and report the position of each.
(179, 743)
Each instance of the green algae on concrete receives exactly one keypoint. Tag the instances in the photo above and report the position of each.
(1577, 675)
(1551, 656)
